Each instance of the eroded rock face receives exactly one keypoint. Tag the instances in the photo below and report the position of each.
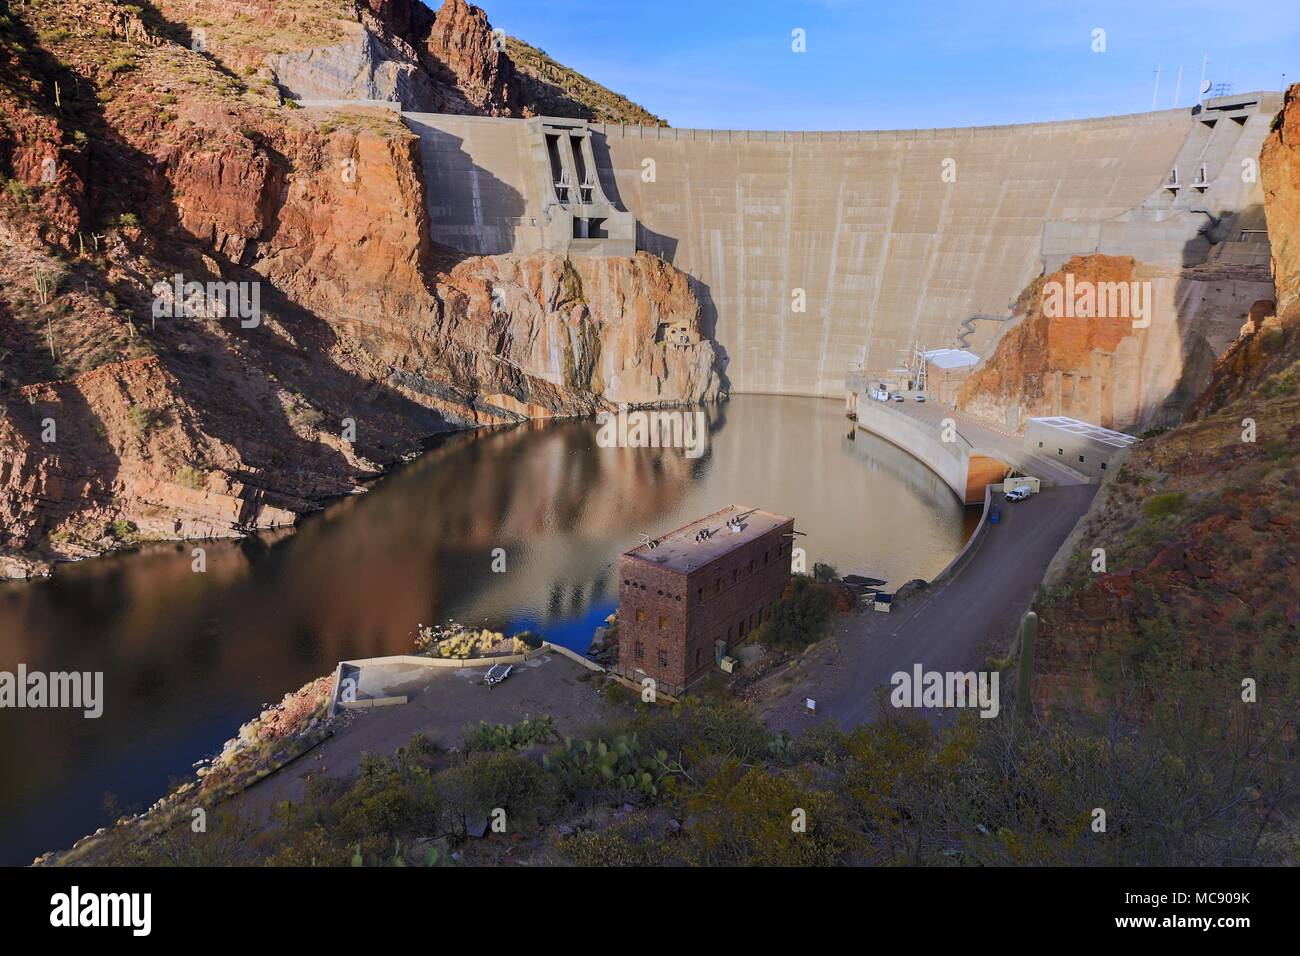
(461, 39)
(1280, 176)
(399, 50)
(1126, 371)
(176, 427)
(1200, 524)
(624, 330)
(119, 442)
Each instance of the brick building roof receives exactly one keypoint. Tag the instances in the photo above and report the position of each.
(679, 551)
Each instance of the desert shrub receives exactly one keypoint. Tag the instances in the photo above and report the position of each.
(761, 817)
(801, 617)
(825, 572)
(1163, 506)
(1283, 383)
(626, 844)
(120, 65)
(505, 780)
(144, 419)
(121, 528)
(189, 477)
(306, 417)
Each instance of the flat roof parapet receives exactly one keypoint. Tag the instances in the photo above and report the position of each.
(679, 551)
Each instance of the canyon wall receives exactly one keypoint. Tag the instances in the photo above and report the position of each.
(124, 421)
(1199, 527)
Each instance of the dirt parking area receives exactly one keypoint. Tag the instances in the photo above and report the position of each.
(443, 703)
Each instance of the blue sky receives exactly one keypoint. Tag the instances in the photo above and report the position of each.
(909, 63)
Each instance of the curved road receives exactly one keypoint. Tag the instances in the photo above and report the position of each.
(953, 627)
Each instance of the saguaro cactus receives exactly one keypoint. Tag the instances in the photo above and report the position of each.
(1025, 642)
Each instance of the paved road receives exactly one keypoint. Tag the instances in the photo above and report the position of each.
(954, 627)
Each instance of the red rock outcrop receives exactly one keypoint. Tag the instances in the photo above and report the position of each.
(462, 40)
(1280, 177)
(189, 427)
(116, 442)
(1130, 371)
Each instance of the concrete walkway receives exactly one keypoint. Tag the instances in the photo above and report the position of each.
(954, 627)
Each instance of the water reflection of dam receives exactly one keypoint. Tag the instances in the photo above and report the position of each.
(188, 657)
(894, 238)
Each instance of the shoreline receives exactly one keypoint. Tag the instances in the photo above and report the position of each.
(265, 745)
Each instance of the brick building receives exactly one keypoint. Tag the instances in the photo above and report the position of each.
(699, 590)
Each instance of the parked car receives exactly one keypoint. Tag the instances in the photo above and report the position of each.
(918, 397)
(995, 514)
(897, 397)
(1019, 493)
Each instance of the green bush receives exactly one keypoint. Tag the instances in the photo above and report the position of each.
(617, 846)
(1163, 506)
(825, 572)
(189, 477)
(489, 781)
(120, 65)
(801, 617)
(144, 419)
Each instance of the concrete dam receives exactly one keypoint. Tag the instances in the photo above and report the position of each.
(815, 252)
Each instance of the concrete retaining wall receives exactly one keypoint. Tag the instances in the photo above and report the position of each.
(968, 550)
(443, 662)
(573, 656)
(949, 460)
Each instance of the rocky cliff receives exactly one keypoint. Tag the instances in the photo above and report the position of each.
(1125, 371)
(149, 166)
(451, 61)
(1200, 528)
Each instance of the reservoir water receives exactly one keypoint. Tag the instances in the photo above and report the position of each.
(189, 657)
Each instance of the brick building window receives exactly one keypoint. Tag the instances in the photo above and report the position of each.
(663, 658)
(700, 596)
(697, 658)
(663, 623)
(640, 614)
(640, 651)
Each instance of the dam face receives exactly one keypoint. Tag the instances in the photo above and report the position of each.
(815, 252)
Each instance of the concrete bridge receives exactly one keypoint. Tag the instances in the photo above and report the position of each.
(814, 252)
